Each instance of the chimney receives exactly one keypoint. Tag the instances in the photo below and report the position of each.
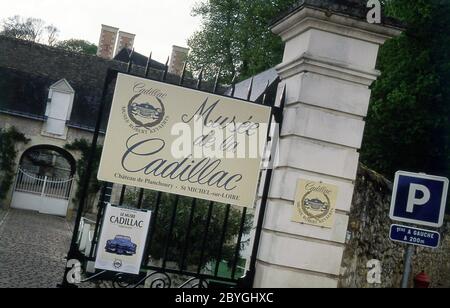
(125, 40)
(107, 42)
(177, 59)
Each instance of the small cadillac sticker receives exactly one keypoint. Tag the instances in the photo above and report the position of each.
(315, 203)
(117, 264)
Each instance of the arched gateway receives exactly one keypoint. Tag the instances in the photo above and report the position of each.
(44, 180)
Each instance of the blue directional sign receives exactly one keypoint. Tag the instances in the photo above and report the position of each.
(419, 199)
(414, 236)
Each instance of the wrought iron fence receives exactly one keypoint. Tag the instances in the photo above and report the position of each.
(203, 241)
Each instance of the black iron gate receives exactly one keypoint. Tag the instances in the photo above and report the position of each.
(198, 240)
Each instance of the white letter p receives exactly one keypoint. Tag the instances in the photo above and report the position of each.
(413, 201)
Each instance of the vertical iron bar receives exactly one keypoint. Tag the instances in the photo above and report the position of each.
(264, 99)
(250, 90)
(281, 108)
(141, 198)
(122, 194)
(166, 70)
(233, 85)
(149, 64)
(238, 244)
(205, 236)
(171, 227)
(216, 82)
(130, 62)
(222, 239)
(188, 234)
(153, 226)
(200, 79)
(101, 206)
(183, 73)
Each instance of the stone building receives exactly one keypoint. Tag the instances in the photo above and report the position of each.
(52, 96)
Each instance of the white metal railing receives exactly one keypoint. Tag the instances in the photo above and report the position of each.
(43, 185)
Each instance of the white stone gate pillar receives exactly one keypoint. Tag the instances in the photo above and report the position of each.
(328, 66)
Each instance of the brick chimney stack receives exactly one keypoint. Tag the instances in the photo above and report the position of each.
(177, 59)
(107, 42)
(125, 40)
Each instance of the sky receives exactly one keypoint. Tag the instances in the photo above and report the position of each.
(158, 24)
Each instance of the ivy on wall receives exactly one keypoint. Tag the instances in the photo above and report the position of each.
(83, 147)
(9, 138)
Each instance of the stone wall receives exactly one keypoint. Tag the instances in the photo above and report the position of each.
(368, 238)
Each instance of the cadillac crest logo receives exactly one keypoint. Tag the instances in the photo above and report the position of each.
(117, 264)
(145, 114)
(315, 203)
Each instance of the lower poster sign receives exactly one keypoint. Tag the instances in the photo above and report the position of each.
(414, 236)
(122, 240)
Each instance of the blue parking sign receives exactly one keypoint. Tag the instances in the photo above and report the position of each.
(419, 199)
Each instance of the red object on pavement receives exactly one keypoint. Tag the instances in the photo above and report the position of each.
(422, 281)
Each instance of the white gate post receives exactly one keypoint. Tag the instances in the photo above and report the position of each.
(328, 66)
(44, 186)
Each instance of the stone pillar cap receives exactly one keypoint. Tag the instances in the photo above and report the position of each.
(356, 9)
(345, 17)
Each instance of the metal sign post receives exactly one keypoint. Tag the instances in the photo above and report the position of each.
(409, 253)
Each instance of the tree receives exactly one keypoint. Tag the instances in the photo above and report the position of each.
(30, 29)
(408, 123)
(80, 46)
(408, 126)
(52, 35)
(235, 37)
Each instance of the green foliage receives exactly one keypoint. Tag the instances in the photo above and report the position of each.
(80, 46)
(235, 37)
(83, 147)
(178, 239)
(8, 141)
(408, 125)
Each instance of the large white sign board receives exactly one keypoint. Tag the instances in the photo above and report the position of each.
(144, 136)
(122, 240)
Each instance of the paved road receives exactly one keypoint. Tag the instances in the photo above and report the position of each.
(32, 249)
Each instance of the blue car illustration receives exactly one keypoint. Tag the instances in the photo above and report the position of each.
(121, 245)
(316, 204)
(146, 110)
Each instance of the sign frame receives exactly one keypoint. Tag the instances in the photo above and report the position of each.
(144, 238)
(412, 243)
(443, 204)
(251, 175)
